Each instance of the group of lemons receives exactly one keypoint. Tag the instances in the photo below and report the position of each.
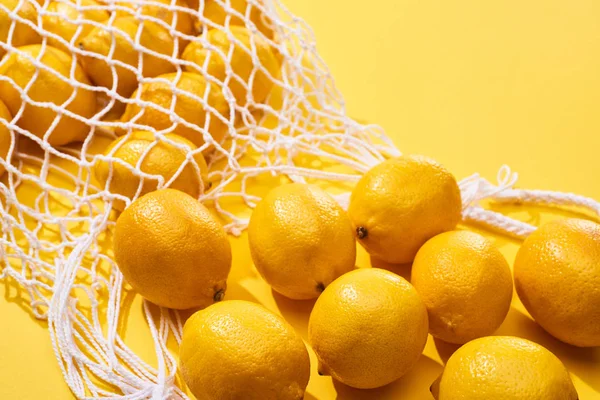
(70, 64)
(368, 326)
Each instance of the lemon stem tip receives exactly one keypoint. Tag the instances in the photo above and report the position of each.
(219, 295)
(361, 232)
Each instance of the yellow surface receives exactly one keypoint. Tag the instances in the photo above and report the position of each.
(474, 84)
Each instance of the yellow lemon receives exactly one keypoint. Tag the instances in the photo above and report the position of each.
(67, 17)
(172, 250)
(368, 328)
(5, 135)
(249, 76)
(161, 159)
(504, 368)
(160, 93)
(100, 41)
(465, 283)
(48, 87)
(217, 11)
(22, 34)
(557, 277)
(238, 350)
(165, 11)
(400, 204)
(301, 240)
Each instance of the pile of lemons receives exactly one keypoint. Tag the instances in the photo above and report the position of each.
(140, 64)
(368, 326)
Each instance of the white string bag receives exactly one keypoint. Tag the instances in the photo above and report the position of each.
(57, 219)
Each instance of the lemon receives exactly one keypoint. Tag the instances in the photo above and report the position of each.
(67, 17)
(165, 12)
(238, 350)
(301, 240)
(465, 283)
(504, 368)
(368, 328)
(249, 76)
(48, 87)
(22, 34)
(101, 40)
(400, 204)
(160, 93)
(172, 250)
(5, 135)
(217, 12)
(162, 159)
(557, 277)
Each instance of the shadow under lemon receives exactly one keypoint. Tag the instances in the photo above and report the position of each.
(445, 349)
(399, 269)
(295, 312)
(414, 385)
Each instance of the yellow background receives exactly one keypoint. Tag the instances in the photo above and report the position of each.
(474, 84)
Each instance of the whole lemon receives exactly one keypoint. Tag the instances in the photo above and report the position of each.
(250, 76)
(161, 158)
(400, 204)
(368, 328)
(188, 108)
(504, 368)
(557, 277)
(465, 283)
(238, 350)
(218, 13)
(48, 87)
(301, 240)
(117, 40)
(172, 250)
(164, 11)
(63, 19)
(5, 135)
(22, 34)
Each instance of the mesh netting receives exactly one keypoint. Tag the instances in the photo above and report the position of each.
(105, 101)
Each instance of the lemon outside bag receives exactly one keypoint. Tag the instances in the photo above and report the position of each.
(66, 98)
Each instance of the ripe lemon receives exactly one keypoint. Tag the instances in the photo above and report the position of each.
(248, 74)
(504, 368)
(163, 159)
(5, 135)
(160, 93)
(238, 350)
(22, 34)
(400, 204)
(47, 87)
(66, 18)
(163, 11)
(465, 283)
(301, 240)
(172, 250)
(557, 277)
(100, 41)
(218, 13)
(368, 328)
